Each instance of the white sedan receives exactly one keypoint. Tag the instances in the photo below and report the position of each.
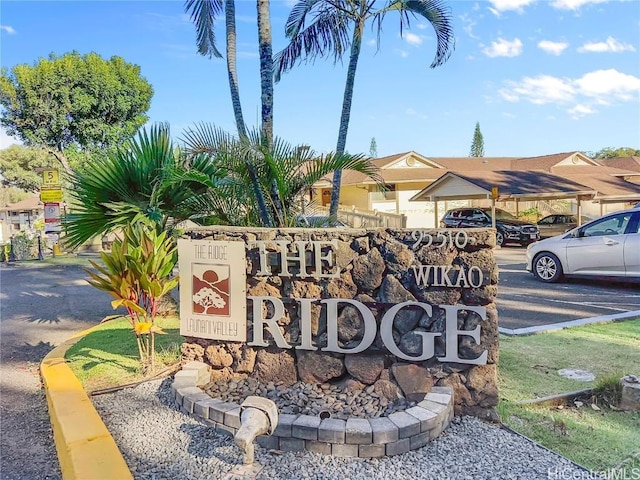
(606, 247)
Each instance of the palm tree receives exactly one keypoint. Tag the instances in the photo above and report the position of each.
(203, 14)
(327, 33)
(148, 176)
(253, 168)
(266, 70)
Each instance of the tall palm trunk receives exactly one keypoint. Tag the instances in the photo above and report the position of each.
(266, 70)
(266, 87)
(356, 45)
(230, 23)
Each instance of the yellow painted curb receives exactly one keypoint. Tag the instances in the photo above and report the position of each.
(86, 449)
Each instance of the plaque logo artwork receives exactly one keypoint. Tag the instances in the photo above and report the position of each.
(210, 289)
(214, 289)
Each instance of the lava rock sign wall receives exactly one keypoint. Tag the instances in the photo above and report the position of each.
(394, 311)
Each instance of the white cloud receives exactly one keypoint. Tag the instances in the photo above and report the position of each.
(609, 45)
(580, 95)
(503, 48)
(607, 85)
(412, 38)
(580, 111)
(8, 28)
(421, 26)
(539, 90)
(371, 42)
(402, 53)
(468, 25)
(508, 115)
(573, 4)
(499, 6)
(551, 47)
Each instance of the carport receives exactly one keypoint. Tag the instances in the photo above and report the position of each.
(503, 185)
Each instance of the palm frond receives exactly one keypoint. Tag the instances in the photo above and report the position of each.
(203, 15)
(327, 34)
(143, 177)
(436, 12)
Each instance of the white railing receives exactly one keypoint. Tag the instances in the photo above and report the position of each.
(359, 218)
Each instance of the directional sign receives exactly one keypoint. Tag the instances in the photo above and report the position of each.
(51, 195)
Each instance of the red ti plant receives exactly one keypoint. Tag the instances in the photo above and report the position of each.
(137, 272)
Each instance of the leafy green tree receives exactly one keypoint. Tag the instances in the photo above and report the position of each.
(477, 144)
(137, 273)
(610, 152)
(18, 166)
(74, 100)
(252, 168)
(12, 195)
(319, 28)
(147, 176)
(373, 148)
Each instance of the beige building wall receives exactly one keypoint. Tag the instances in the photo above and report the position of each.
(355, 196)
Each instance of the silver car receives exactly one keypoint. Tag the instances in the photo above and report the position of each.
(606, 247)
(558, 223)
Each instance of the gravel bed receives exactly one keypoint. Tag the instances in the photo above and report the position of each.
(158, 442)
(307, 399)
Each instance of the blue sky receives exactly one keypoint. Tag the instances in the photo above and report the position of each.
(541, 76)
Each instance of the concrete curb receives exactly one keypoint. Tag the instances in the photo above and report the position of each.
(86, 449)
(616, 317)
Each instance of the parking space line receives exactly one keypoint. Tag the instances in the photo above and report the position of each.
(573, 323)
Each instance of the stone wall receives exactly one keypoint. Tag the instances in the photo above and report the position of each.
(376, 269)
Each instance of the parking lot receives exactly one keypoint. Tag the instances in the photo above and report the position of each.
(525, 302)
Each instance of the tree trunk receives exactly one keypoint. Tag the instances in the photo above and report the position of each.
(61, 158)
(266, 70)
(266, 86)
(346, 114)
(230, 20)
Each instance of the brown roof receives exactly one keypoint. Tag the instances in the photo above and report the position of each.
(31, 203)
(609, 186)
(394, 175)
(571, 170)
(461, 164)
(624, 163)
(512, 183)
(521, 183)
(516, 176)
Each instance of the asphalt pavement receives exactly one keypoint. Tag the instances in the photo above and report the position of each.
(40, 307)
(524, 301)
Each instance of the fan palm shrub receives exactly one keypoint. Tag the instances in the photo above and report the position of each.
(148, 176)
(272, 181)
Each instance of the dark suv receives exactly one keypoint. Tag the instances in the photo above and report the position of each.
(508, 228)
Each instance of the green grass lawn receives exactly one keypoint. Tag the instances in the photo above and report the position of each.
(597, 439)
(529, 365)
(108, 356)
